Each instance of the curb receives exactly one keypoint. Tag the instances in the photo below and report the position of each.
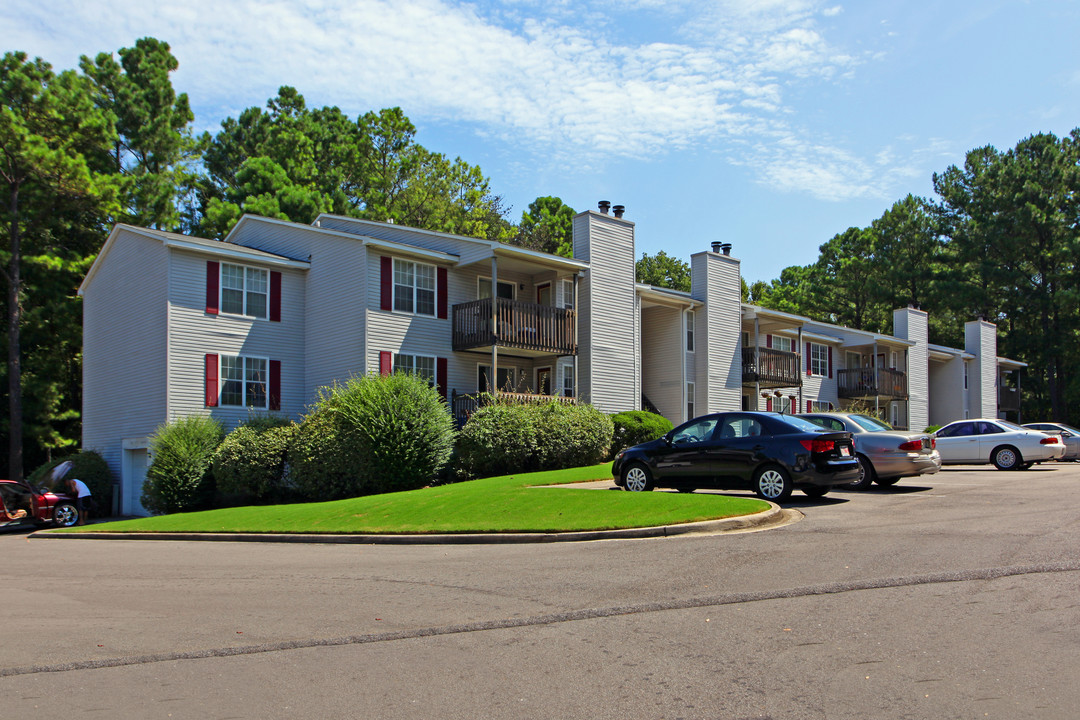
(772, 516)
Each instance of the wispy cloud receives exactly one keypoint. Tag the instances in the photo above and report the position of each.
(521, 71)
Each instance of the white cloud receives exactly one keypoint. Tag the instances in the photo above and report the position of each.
(523, 72)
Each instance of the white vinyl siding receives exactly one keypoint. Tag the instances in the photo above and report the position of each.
(125, 313)
(718, 359)
(661, 361)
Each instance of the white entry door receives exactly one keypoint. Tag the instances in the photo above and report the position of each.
(131, 484)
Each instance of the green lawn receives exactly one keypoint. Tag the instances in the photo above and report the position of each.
(511, 503)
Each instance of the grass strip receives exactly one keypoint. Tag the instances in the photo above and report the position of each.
(509, 503)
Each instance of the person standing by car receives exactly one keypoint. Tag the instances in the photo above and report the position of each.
(82, 498)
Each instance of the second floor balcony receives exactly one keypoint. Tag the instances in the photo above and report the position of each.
(770, 368)
(513, 324)
(866, 383)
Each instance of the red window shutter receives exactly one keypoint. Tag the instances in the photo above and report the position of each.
(442, 376)
(211, 379)
(830, 362)
(213, 276)
(386, 283)
(768, 404)
(809, 406)
(768, 341)
(275, 385)
(384, 363)
(441, 291)
(275, 296)
(809, 365)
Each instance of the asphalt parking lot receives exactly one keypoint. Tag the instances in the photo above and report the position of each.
(950, 596)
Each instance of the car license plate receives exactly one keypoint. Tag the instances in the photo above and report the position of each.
(844, 451)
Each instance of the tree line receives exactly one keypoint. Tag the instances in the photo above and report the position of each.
(113, 142)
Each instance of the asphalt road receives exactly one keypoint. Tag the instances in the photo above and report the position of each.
(953, 597)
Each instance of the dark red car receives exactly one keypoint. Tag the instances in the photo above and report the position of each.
(38, 506)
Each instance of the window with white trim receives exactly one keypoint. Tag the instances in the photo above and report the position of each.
(568, 294)
(244, 381)
(414, 287)
(690, 315)
(779, 342)
(568, 381)
(690, 401)
(783, 404)
(244, 290)
(819, 359)
(818, 406)
(422, 366)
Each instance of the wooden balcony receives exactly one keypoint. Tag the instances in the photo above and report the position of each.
(520, 325)
(465, 405)
(771, 368)
(860, 384)
(1008, 399)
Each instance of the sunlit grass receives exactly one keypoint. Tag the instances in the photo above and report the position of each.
(510, 503)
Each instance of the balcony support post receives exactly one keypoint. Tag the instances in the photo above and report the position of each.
(757, 362)
(801, 362)
(493, 382)
(877, 384)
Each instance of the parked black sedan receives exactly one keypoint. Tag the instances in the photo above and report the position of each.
(769, 452)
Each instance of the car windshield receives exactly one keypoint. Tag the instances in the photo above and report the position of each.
(799, 423)
(870, 424)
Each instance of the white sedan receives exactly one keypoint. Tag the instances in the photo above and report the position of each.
(986, 440)
(1069, 435)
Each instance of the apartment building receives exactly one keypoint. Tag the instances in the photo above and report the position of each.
(177, 325)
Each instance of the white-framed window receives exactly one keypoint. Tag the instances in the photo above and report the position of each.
(568, 294)
(414, 287)
(568, 381)
(894, 358)
(421, 365)
(244, 290)
(853, 360)
(894, 414)
(779, 342)
(819, 359)
(244, 381)
(783, 404)
(507, 290)
(818, 406)
(690, 410)
(508, 379)
(965, 377)
(690, 315)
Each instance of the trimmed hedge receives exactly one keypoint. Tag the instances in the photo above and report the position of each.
(87, 466)
(179, 477)
(372, 434)
(502, 438)
(634, 427)
(250, 462)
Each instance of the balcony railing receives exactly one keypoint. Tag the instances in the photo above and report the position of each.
(465, 405)
(771, 368)
(526, 326)
(861, 383)
(1008, 399)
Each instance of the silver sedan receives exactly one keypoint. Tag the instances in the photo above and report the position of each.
(885, 455)
(1069, 435)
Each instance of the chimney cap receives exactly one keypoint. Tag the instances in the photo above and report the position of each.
(618, 210)
(604, 205)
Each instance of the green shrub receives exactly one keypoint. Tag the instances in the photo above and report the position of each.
(504, 437)
(634, 427)
(249, 465)
(87, 466)
(932, 429)
(179, 477)
(372, 434)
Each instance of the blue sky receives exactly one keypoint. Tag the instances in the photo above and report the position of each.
(770, 124)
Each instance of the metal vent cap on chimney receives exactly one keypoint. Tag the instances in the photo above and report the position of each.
(618, 210)
(603, 205)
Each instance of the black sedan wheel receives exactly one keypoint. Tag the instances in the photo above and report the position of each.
(637, 478)
(772, 482)
(65, 515)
